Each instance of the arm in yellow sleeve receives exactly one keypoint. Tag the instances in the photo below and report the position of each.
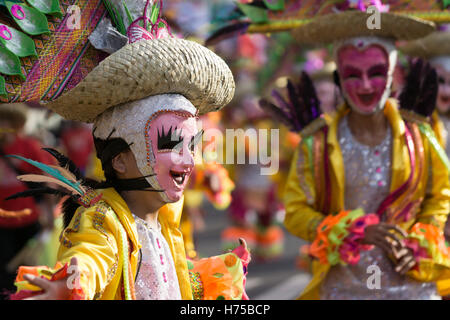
(436, 205)
(301, 218)
(428, 229)
(91, 238)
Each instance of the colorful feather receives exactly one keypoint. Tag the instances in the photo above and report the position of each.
(275, 112)
(302, 107)
(66, 173)
(420, 91)
(38, 191)
(45, 179)
(53, 172)
(65, 162)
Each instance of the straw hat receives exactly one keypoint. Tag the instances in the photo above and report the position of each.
(146, 68)
(434, 45)
(349, 24)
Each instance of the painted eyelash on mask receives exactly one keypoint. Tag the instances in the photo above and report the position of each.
(169, 140)
(195, 140)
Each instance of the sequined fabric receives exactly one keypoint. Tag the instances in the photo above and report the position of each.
(367, 170)
(359, 282)
(157, 278)
(367, 183)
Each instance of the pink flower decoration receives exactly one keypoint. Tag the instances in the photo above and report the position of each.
(418, 251)
(3, 31)
(14, 11)
(351, 247)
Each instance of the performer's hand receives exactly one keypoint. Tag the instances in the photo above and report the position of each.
(53, 290)
(380, 236)
(404, 258)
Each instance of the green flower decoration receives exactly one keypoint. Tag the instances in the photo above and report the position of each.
(17, 42)
(29, 19)
(10, 63)
(50, 7)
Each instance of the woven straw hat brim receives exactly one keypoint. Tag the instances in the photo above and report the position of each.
(433, 45)
(147, 68)
(349, 24)
(14, 111)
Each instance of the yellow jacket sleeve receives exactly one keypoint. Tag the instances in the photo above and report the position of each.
(301, 218)
(91, 239)
(436, 205)
(434, 211)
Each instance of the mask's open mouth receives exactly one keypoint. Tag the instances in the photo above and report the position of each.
(445, 99)
(178, 177)
(367, 98)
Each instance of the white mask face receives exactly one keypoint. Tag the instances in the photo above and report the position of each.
(132, 121)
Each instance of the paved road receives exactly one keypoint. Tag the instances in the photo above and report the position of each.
(275, 280)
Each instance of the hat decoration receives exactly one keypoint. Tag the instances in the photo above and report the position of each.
(434, 45)
(153, 62)
(44, 46)
(270, 16)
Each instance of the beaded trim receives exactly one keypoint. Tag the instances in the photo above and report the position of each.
(301, 176)
(196, 285)
(312, 228)
(99, 217)
(63, 237)
(112, 270)
(413, 117)
(313, 127)
(90, 198)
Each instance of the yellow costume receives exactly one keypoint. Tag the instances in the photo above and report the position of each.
(304, 197)
(97, 229)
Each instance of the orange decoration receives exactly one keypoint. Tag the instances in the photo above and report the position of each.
(230, 260)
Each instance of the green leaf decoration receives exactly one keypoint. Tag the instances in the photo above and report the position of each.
(20, 44)
(275, 4)
(10, 63)
(218, 275)
(47, 7)
(129, 16)
(116, 18)
(2, 2)
(446, 3)
(190, 265)
(34, 23)
(3, 87)
(220, 298)
(155, 13)
(256, 14)
(121, 25)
